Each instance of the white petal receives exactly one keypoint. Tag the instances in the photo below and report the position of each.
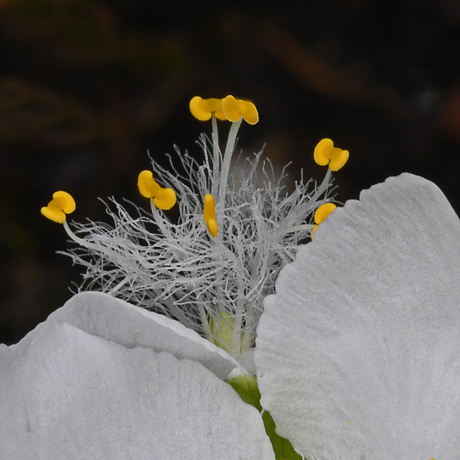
(118, 321)
(65, 394)
(358, 353)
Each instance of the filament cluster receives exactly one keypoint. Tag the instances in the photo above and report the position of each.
(211, 267)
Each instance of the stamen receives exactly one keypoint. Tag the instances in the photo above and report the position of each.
(61, 204)
(326, 154)
(209, 215)
(321, 214)
(228, 153)
(204, 109)
(235, 109)
(216, 157)
(163, 198)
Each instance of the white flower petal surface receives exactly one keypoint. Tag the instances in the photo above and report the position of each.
(66, 394)
(114, 319)
(358, 352)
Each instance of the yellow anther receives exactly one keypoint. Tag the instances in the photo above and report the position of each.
(209, 215)
(326, 154)
(146, 184)
(234, 109)
(163, 198)
(61, 204)
(323, 211)
(204, 109)
(321, 214)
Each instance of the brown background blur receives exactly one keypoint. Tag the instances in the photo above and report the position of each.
(87, 87)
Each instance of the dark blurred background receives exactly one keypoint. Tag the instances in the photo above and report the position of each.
(87, 87)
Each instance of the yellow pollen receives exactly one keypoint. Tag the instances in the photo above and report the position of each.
(234, 109)
(326, 154)
(321, 214)
(163, 198)
(209, 215)
(61, 204)
(204, 109)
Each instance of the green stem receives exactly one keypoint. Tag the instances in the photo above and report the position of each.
(247, 388)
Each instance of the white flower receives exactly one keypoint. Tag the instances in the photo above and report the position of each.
(209, 270)
(92, 382)
(358, 353)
